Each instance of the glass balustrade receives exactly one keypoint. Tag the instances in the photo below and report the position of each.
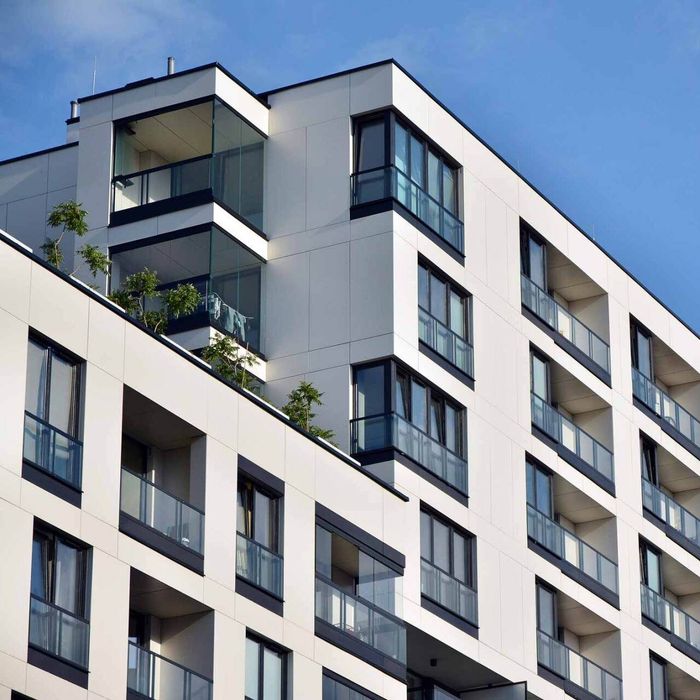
(569, 664)
(565, 545)
(449, 592)
(361, 620)
(672, 513)
(259, 565)
(389, 182)
(670, 617)
(157, 678)
(169, 515)
(446, 343)
(58, 632)
(569, 435)
(52, 450)
(561, 320)
(665, 407)
(391, 430)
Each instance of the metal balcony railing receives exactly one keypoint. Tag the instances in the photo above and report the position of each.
(449, 592)
(667, 615)
(671, 512)
(565, 545)
(259, 565)
(59, 632)
(565, 432)
(446, 343)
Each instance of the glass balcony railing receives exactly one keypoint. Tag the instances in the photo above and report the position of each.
(569, 435)
(52, 451)
(446, 343)
(361, 620)
(167, 514)
(259, 565)
(157, 678)
(391, 430)
(390, 183)
(58, 632)
(665, 407)
(565, 545)
(671, 512)
(557, 317)
(447, 591)
(569, 664)
(665, 614)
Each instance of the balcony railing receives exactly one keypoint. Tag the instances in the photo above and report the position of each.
(577, 669)
(670, 617)
(259, 565)
(153, 676)
(165, 513)
(390, 183)
(665, 407)
(391, 430)
(52, 450)
(566, 546)
(446, 343)
(433, 693)
(671, 512)
(58, 632)
(447, 591)
(566, 433)
(361, 620)
(557, 317)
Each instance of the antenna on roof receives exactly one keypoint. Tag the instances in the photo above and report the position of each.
(94, 75)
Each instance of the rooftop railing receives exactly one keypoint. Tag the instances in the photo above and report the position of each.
(547, 309)
(665, 407)
(391, 183)
(59, 632)
(361, 620)
(52, 450)
(570, 548)
(157, 678)
(671, 512)
(446, 343)
(165, 513)
(569, 664)
(568, 434)
(259, 565)
(448, 592)
(667, 615)
(391, 430)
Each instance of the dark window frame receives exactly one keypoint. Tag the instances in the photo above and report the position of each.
(648, 447)
(278, 498)
(528, 233)
(646, 547)
(535, 353)
(277, 649)
(539, 584)
(637, 329)
(538, 467)
(656, 659)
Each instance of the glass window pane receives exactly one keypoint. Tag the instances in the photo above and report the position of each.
(419, 413)
(68, 577)
(37, 359)
(459, 560)
(252, 669)
(644, 354)
(649, 461)
(540, 384)
(417, 162)
(434, 176)
(323, 552)
(452, 429)
(449, 189)
(437, 425)
(441, 545)
(401, 148)
(62, 398)
(545, 611)
(457, 314)
(370, 391)
(543, 501)
(538, 272)
(402, 407)
(272, 675)
(658, 680)
(530, 478)
(423, 290)
(653, 571)
(425, 535)
(40, 565)
(370, 152)
(262, 516)
(438, 299)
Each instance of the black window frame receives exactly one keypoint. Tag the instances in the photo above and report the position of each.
(528, 233)
(656, 659)
(264, 643)
(644, 548)
(535, 353)
(538, 467)
(539, 584)
(254, 485)
(649, 448)
(637, 329)
(363, 693)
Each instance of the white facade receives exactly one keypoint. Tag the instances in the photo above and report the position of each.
(340, 289)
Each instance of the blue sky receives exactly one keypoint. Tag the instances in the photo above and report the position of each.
(596, 103)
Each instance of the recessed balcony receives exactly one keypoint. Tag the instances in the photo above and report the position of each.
(259, 565)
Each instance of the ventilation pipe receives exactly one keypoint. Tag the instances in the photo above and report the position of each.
(73, 109)
(171, 65)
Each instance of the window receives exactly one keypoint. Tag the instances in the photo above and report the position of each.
(336, 689)
(539, 489)
(539, 376)
(52, 412)
(650, 559)
(659, 685)
(533, 257)
(642, 352)
(448, 548)
(547, 610)
(265, 671)
(649, 465)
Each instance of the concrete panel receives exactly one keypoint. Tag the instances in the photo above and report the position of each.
(24, 179)
(329, 296)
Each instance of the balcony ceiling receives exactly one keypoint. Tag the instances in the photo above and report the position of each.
(151, 597)
(576, 505)
(579, 619)
(681, 686)
(671, 368)
(674, 475)
(677, 579)
(568, 280)
(571, 394)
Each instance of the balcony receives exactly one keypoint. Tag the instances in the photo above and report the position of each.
(187, 156)
(448, 592)
(152, 676)
(52, 451)
(378, 184)
(680, 520)
(445, 342)
(682, 627)
(58, 632)
(259, 565)
(564, 432)
(577, 669)
(563, 322)
(361, 620)
(565, 545)
(393, 431)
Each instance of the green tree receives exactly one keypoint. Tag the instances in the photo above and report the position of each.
(140, 297)
(229, 360)
(70, 217)
(299, 408)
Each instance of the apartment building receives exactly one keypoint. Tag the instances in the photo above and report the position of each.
(513, 507)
